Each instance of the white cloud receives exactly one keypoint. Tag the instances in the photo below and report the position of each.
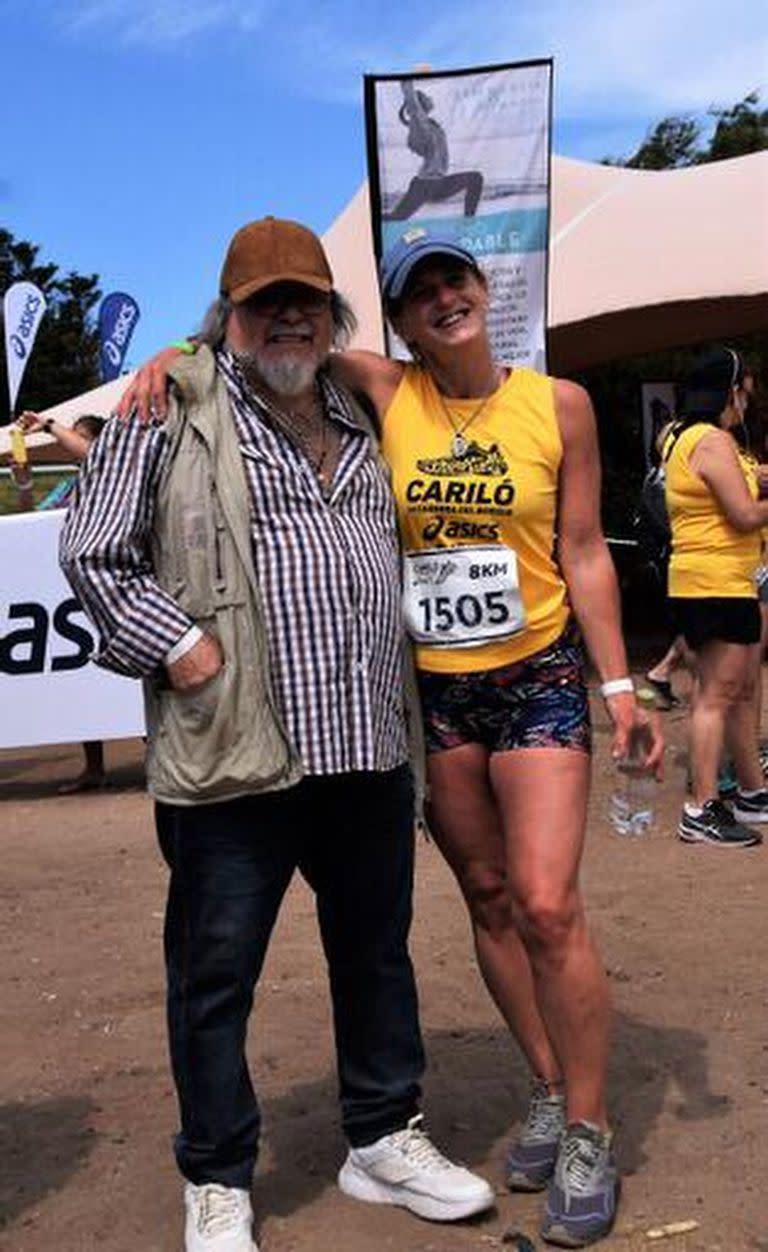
(160, 23)
(642, 58)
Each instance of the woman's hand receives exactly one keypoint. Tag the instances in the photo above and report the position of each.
(636, 731)
(148, 391)
(30, 422)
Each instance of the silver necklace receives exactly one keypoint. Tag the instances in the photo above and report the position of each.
(312, 440)
(460, 445)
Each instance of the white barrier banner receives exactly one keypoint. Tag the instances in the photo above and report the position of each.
(50, 692)
(23, 309)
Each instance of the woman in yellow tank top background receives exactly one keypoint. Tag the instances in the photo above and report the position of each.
(486, 460)
(716, 517)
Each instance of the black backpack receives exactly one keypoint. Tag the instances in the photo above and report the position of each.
(651, 521)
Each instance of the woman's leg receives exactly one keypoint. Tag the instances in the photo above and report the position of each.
(542, 798)
(721, 674)
(465, 822)
(742, 725)
(759, 672)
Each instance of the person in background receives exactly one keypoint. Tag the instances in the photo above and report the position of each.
(659, 676)
(716, 518)
(75, 441)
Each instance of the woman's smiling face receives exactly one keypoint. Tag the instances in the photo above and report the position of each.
(444, 304)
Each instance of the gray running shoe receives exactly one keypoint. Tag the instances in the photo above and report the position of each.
(716, 825)
(751, 808)
(531, 1159)
(583, 1195)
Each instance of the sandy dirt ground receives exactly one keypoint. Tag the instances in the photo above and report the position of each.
(87, 1107)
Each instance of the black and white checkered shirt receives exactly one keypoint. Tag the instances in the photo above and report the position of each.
(327, 568)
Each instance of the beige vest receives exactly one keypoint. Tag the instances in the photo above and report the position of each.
(227, 739)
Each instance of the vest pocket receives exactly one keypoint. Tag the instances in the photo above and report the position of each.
(228, 580)
(196, 708)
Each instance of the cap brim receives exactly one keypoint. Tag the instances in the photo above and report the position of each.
(394, 286)
(238, 294)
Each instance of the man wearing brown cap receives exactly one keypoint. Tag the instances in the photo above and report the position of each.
(242, 560)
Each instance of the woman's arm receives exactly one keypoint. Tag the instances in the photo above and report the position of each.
(587, 566)
(715, 460)
(73, 443)
(369, 372)
(376, 376)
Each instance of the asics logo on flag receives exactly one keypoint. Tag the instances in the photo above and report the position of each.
(26, 326)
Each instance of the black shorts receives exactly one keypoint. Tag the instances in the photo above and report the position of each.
(731, 619)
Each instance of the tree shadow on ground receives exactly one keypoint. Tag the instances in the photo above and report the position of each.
(475, 1091)
(42, 1145)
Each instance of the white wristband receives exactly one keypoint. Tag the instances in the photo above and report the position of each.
(616, 687)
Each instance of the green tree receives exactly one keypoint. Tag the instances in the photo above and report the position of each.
(671, 145)
(675, 142)
(739, 130)
(65, 360)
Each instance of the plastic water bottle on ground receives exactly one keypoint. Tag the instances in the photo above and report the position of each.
(632, 804)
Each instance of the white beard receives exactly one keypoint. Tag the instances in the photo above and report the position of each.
(287, 376)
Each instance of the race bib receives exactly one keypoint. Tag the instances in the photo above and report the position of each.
(462, 597)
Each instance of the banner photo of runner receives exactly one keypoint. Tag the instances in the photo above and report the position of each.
(118, 315)
(467, 153)
(50, 691)
(23, 309)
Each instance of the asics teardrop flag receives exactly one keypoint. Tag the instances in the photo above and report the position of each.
(23, 308)
(118, 315)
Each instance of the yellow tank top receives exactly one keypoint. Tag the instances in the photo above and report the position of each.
(709, 556)
(476, 490)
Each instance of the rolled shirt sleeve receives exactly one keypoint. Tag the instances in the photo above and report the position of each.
(105, 550)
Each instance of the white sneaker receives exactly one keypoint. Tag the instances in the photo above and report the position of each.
(406, 1168)
(219, 1219)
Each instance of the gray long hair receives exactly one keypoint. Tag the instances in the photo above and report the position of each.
(214, 325)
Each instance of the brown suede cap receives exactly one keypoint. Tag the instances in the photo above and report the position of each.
(273, 251)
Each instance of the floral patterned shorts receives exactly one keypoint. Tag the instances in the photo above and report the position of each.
(539, 702)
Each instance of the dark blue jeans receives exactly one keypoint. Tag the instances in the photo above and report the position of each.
(351, 837)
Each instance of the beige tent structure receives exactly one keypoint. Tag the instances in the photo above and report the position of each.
(639, 260)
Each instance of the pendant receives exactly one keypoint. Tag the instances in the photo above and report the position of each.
(459, 445)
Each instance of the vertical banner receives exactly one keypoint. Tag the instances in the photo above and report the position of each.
(467, 153)
(23, 309)
(118, 315)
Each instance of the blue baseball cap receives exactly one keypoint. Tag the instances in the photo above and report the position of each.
(413, 246)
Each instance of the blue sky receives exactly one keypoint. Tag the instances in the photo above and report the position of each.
(139, 134)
